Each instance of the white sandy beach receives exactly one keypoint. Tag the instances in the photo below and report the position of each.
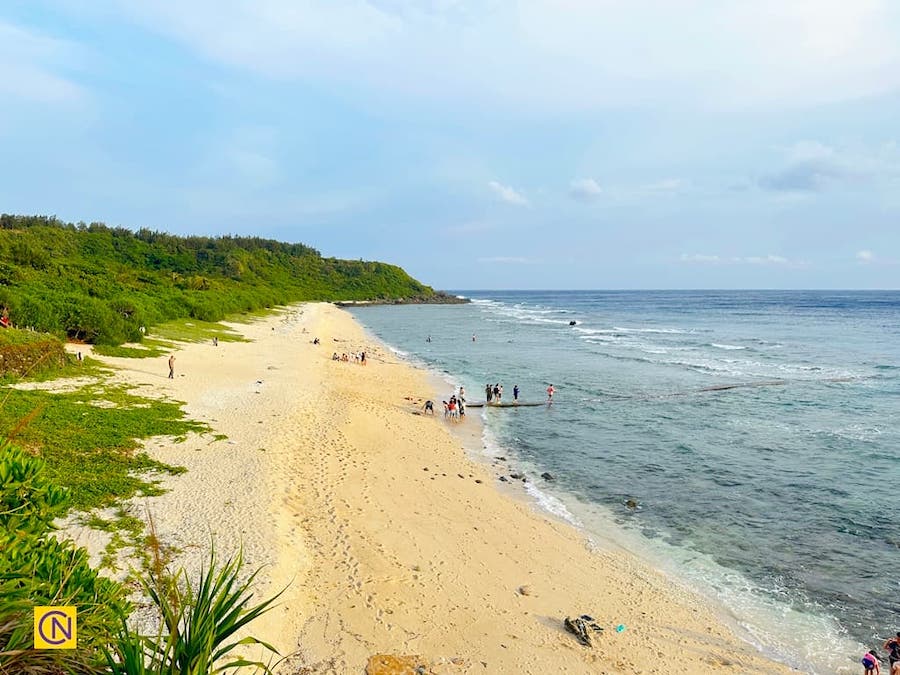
(388, 538)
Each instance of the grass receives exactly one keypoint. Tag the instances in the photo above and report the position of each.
(93, 450)
(150, 351)
(17, 336)
(88, 368)
(192, 330)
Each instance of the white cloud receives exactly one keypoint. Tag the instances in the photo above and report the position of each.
(585, 189)
(508, 194)
(811, 166)
(865, 256)
(701, 259)
(665, 185)
(767, 261)
(30, 65)
(542, 52)
(507, 260)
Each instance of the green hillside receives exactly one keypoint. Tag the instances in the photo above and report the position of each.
(101, 284)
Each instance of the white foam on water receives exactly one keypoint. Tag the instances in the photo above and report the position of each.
(551, 504)
(670, 331)
(724, 346)
(811, 642)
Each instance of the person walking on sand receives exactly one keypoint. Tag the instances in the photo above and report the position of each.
(172, 367)
(550, 392)
(870, 663)
(516, 393)
(429, 407)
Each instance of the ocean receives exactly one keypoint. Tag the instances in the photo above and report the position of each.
(744, 442)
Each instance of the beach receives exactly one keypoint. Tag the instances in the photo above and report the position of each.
(385, 536)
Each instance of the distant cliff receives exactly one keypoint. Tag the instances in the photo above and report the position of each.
(101, 284)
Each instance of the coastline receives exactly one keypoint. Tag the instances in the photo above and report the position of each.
(387, 535)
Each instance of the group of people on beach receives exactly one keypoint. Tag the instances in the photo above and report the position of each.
(871, 662)
(454, 408)
(352, 357)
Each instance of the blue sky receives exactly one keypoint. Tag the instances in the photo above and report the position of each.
(477, 143)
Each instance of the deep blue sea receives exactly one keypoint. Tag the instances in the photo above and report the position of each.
(758, 432)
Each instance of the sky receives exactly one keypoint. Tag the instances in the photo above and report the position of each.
(584, 144)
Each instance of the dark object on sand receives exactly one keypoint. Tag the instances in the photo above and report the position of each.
(547, 476)
(578, 628)
(516, 476)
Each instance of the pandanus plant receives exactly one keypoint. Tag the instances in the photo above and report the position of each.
(198, 627)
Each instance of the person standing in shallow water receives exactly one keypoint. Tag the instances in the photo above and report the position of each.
(516, 393)
(172, 367)
(488, 392)
(550, 392)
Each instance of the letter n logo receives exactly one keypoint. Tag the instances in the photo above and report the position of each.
(55, 628)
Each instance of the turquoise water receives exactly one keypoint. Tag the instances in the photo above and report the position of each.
(757, 431)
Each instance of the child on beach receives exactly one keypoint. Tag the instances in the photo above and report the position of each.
(870, 663)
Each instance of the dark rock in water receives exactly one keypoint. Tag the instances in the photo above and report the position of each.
(578, 628)
(572, 323)
(547, 476)
(516, 476)
(631, 503)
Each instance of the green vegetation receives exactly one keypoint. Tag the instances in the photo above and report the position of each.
(24, 352)
(197, 627)
(100, 285)
(37, 569)
(89, 438)
(192, 330)
(145, 352)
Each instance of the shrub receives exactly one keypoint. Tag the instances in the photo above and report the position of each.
(37, 569)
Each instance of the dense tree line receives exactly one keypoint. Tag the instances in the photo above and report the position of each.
(100, 284)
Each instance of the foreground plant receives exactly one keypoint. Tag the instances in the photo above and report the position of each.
(197, 627)
(37, 569)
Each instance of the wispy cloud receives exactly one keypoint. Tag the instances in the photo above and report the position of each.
(585, 189)
(508, 194)
(811, 166)
(32, 66)
(532, 53)
(766, 261)
(507, 260)
(865, 257)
